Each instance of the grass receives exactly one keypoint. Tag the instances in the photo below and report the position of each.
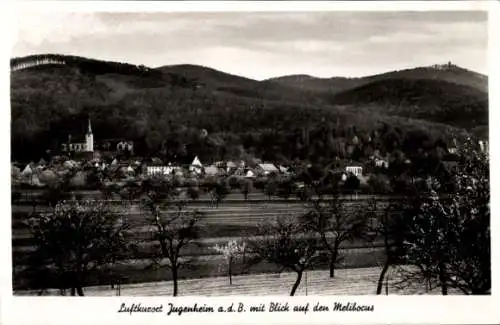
(139, 272)
(360, 281)
(229, 220)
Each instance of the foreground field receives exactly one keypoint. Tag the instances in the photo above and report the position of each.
(232, 220)
(360, 281)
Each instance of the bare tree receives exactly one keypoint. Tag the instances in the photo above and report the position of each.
(174, 227)
(389, 225)
(284, 243)
(77, 238)
(246, 186)
(132, 190)
(335, 224)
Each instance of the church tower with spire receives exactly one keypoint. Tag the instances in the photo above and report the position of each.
(89, 138)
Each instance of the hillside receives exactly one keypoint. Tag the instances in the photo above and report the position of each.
(452, 74)
(208, 78)
(429, 99)
(164, 110)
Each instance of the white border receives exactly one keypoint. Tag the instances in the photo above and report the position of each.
(391, 309)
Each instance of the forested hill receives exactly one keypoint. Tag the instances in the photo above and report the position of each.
(449, 73)
(428, 99)
(165, 109)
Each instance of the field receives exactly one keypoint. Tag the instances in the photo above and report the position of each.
(360, 281)
(234, 219)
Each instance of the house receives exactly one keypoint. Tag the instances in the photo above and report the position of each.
(231, 166)
(453, 148)
(267, 168)
(125, 147)
(283, 170)
(483, 145)
(211, 170)
(196, 167)
(381, 163)
(355, 170)
(27, 171)
(160, 170)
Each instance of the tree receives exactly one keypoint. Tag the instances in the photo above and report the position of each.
(334, 223)
(390, 225)
(220, 191)
(108, 190)
(174, 230)
(352, 183)
(58, 190)
(447, 240)
(271, 188)
(77, 238)
(286, 244)
(230, 251)
(379, 184)
(174, 227)
(285, 188)
(193, 192)
(131, 191)
(246, 186)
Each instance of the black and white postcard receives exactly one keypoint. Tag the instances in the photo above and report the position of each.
(234, 162)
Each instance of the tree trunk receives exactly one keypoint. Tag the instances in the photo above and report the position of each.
(296, 284)
(442, 279)
(73, 291)
(380, 283)
(230, 272)
(174, 278)
(333, 260)
(79, 290)
(332, 267)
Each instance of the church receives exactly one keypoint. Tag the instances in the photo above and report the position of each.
(80, 147)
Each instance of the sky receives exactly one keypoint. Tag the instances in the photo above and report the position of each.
(262, 45)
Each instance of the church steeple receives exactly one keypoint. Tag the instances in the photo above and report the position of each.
(89, 138)
(89, 130)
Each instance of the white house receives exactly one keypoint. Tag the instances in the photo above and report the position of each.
(159, 170)
(267, 169)
(283, 170)
(483, 146)
(231, 166)
(211, 171)
(196, 166)
(355, 170)
(27, 171)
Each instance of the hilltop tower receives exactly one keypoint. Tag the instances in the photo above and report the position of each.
(89, 138)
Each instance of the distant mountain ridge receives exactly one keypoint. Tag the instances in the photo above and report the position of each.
(49, 90)
(447, 72)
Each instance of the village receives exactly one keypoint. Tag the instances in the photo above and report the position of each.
(84, 162)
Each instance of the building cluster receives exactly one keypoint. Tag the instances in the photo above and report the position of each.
(80, 154)
(220, 168)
